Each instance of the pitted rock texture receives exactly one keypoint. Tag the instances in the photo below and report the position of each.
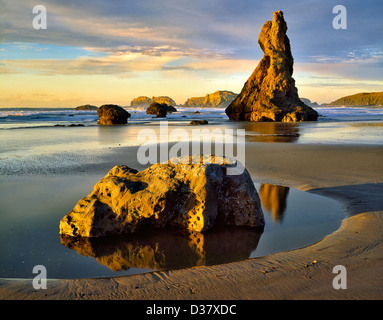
(190, 193)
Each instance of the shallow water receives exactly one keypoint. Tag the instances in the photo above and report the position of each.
(32, 208)
(45, 170)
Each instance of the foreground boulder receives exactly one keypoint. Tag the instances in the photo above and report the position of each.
(270, 93)
(111, 114)
(189, 193)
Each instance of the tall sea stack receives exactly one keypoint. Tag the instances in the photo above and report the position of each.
(270, 93)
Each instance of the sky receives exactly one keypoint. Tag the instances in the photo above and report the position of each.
(100, 51)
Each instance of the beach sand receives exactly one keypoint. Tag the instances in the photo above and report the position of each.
(351, 174)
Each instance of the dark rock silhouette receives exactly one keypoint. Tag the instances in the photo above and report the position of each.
(86, 107)
(160, 109)
(198, 122)
(111, 114)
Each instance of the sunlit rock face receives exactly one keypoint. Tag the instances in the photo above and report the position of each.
(270, 93)
(190, 193)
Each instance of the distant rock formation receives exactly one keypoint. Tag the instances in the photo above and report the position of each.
(86, 107)
(70, 125)
(308, 102)
(111, 114)
(144, 102)
(360, 99)
(160, 109)
(270, 93)
(141, 101)
(189, 193)
(218, 99)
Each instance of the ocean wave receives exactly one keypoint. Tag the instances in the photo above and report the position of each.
(39, 117)
(43, 117)
(28, 118)
(349, 110)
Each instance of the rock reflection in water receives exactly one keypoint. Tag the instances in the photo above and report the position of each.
(274, 199)
(168, 249)
(271, 131)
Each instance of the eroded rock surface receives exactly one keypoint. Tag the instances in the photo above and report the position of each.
(111, 114)
(190, 193)
(270, 93)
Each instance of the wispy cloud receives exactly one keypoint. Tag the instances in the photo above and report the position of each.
(364, 67)
(130, 60)
(214, 25)
(213, 40)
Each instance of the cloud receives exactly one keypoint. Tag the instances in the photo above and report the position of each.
(213, 40)
(123, 65)
(85, 66)
(127, 59)
(362, 67)
(214, 25)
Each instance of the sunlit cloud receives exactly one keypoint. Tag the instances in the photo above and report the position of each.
(182, 47)
(126, 59)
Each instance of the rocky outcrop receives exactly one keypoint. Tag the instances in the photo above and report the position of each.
(141, 101)
(218, 99)
(360, 99)
(191, 193)
(308, 102)
(160, 109)
(111, 114)
(270, 93)
(86, 107)
(144, 102)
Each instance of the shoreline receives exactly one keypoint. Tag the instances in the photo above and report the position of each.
(351, 174)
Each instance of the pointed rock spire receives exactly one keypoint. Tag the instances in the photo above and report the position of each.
(270, 93)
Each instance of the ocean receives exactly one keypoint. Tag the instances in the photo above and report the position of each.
(17, 118)
(42, 140)
(50, 158)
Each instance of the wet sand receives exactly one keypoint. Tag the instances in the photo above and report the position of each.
(352, 174)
